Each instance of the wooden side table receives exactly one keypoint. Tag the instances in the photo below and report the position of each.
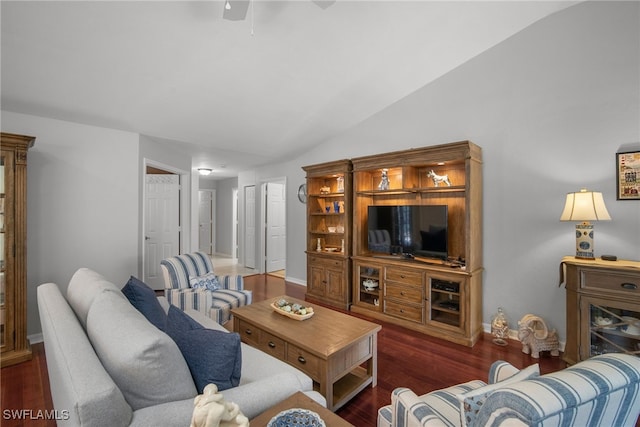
(299, 400)
(603, 307)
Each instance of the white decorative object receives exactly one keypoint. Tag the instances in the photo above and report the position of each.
(437, 179)
(342, 246)
(384, 182)
(318, 246)
(536, 337)
(500, 328)
(340, 180)
(211, 410)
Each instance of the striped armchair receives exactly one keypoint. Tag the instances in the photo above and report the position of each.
(216, 304)
(601, 391)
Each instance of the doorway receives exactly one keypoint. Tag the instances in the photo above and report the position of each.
(162, 237)
(274, 230)
(207, 221)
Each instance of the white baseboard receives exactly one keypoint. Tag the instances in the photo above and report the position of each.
(296, 281)
(35, 338)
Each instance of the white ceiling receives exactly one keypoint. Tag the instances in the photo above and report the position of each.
(239, 93)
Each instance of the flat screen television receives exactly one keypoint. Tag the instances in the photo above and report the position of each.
(418, 230)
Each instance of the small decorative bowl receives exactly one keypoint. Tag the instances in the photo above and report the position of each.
(296, 417)
(332, 229)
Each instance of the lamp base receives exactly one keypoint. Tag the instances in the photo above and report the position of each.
(584, 241)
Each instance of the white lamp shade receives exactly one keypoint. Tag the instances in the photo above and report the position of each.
(585, 206)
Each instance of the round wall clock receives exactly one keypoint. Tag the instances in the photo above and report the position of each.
(302, 193)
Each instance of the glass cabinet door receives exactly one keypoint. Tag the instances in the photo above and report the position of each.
(368, 289)
(610, 326)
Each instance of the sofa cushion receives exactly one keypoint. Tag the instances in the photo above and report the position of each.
(207, 281)
(144, 299)
(471, 402)
(78, 381)
(85, 285)
(144, 362)
(212, 356)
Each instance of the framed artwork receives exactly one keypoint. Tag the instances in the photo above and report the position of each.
(628, 175)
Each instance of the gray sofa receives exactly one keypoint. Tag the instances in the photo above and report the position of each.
(109, 366)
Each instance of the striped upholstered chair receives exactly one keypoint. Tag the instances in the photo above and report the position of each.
(179, 271)
(601, 391)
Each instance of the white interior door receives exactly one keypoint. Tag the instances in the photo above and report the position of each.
(162, 224)
(206, 219)
(250, 226)
(276, 228)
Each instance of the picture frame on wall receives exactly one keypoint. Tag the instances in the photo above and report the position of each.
(628, 175)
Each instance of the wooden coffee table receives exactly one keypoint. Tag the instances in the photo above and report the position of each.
(339, 352)
(300, 400)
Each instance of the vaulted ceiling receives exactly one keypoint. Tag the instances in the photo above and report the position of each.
(239, 93)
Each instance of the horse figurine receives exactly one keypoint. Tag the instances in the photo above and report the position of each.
(437, 179)
(384, 182)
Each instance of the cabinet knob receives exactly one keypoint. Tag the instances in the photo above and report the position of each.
(302, 359)
(628, 285)
(272, 344)
(402, 293)
(248, 331)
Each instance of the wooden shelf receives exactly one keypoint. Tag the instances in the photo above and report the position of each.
(411, 184)
(328, 273)
(15, 346)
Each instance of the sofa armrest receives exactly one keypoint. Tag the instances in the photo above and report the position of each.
(170, 414)
(235, 282)
(189, 298)
(407, 410)
(609, 382)
(257, 396)
(501, 370)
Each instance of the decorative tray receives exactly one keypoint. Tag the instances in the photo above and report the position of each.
(296, 417)
(292, 310)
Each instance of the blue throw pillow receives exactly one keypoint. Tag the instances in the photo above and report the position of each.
(212, 356)
(142, 297)
(207, 281)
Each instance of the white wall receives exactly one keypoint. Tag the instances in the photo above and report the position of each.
(224, 216)
(82, 203)
(550, 106)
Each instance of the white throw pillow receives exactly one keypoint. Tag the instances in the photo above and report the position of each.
(143, 361)
(207, 281)
(472, 401)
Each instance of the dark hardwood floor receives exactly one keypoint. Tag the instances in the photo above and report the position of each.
(405, 358)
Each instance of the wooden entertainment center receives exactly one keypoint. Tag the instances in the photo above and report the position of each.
(436, 297)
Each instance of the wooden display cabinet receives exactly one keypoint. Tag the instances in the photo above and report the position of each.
(329, 198)
(603, 307)
(439, 298)
(13, 256)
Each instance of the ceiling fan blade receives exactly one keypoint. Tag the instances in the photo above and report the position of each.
(323, 4)
(238, 10)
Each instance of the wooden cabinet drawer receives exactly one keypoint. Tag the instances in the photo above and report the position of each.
(327, 263)
(272, 345)
(619, 282)
(404, 311)
(412, 294)
(249, 333)
(305, 361)
(403, 276)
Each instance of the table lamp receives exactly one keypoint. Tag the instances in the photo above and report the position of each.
(584, 206)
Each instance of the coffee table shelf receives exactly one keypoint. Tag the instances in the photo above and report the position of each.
(339, 352)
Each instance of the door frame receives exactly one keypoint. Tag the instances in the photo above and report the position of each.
(262, 262)
(183, 213)
(214, 233)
